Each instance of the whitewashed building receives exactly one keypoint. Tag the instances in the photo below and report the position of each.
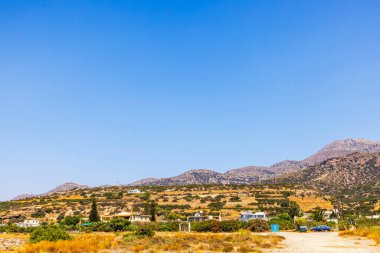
(249, 215)
(134, 191)
(29, 223)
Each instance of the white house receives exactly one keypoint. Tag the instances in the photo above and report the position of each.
(199, 217)
(29, 223)
(134, 191)
(132, 217)
(248, 215)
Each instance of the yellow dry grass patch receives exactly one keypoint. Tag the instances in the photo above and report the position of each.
(96, 242)
(377, 206)
(13, 236)
(71, 197)
(243, 241)
(308, 203)
(370, 233)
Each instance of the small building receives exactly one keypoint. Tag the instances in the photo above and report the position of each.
(249, 215)
(29, 223)
(132, 217)
(134, 191)
(199, 217)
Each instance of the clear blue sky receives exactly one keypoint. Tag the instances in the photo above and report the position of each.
(106, 92)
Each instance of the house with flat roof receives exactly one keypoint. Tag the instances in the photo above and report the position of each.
(132, 217)
(28, 223)
(134, 191)
(249, 215)
(198, 216)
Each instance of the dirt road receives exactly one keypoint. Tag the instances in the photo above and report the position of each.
(324, 242)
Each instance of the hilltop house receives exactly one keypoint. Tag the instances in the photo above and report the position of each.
(199, 217)
(28, 223)
(134, 191)
(248, 215)
(132, 217)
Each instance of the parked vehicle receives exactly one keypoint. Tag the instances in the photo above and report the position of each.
(303, 229)
(321, 228)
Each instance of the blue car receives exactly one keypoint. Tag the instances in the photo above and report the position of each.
(321, 228)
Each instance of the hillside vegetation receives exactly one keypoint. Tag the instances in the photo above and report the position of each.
(228, 200)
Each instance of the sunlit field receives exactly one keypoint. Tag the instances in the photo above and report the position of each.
(242, 241)
(370, 233)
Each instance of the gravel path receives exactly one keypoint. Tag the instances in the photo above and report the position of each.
(324, 242)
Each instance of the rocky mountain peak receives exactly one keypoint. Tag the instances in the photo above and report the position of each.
(65, 187)
(343, 147)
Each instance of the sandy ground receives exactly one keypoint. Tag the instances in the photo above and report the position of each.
(324, 242)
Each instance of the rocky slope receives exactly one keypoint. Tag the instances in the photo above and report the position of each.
(191, 177)
(65, 187)
(252, 174)
(341, 148)
(24, 196)
(60, 188)
(338, 174)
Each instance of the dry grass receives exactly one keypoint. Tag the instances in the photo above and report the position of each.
(13, 236)
(243, 241)
(370, 233)
(96, 242)
(309, 202)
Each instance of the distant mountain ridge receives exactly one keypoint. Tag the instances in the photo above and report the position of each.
(311, 169)
(254, 174)
(338, 174)
(60, 188)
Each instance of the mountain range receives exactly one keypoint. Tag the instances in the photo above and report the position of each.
(61, 188)
(339, 174)
(253, 174)
(342, 164)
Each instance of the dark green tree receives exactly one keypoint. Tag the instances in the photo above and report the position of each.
(294, 209)
(94, 215)
(317, 214)
(153, 210)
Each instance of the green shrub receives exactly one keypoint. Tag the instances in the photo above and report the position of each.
(258, 225)
(175, 216)
(48, 233)
(12, 228)
(216, 205)
(70, 220)
(38, 214)
(168, 226)
(118, 224)
(144, 231)
(229, 226)
(206, 226)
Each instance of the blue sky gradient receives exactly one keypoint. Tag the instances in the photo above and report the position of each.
(107, 92)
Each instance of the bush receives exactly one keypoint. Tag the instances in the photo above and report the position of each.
(175, 216)
(168, 226)
(118, 224)
(229, 226)
(38, 214)
(12, 228)
(70, 220)
(216, 205)
(206, 226)
(144, 231)
(48, 233)
(258, 225)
